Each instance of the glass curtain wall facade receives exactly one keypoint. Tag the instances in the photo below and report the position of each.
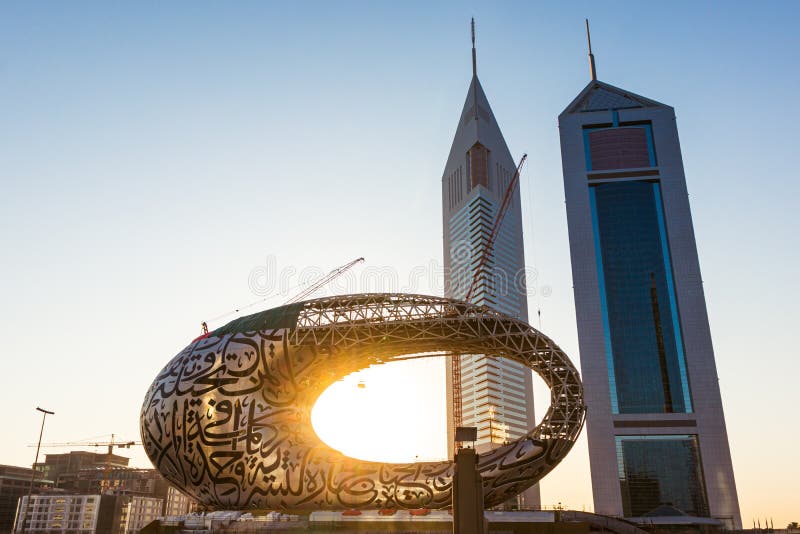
(660, 470)
(644, 347)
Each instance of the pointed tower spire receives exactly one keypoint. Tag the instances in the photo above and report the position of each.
(592, 70)
(474, 57)
(474, 74)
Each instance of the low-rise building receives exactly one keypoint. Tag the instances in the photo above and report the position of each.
(15, 483)
(56, 465)
(176, 503)
(86, 493)
(136, 512)
(66, 514)
(87, 514)
(125, 481)
(109, 513)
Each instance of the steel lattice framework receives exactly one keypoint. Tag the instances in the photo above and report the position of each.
(228, 420)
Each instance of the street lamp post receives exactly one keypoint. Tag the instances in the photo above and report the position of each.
(45, 413)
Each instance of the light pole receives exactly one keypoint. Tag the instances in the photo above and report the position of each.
(45, 413)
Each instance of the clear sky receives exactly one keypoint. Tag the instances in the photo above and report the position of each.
(154, 156)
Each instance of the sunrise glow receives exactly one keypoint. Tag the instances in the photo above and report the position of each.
(383, 413)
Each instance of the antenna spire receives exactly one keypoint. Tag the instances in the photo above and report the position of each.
(592, 69)
(474, 57)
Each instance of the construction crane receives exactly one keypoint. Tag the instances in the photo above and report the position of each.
(110, 444)
(512, 185)
(324, 280)
(303, 294)
(455, 365)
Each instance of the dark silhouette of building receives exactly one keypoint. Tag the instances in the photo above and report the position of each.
(55, 465)
(14, 483)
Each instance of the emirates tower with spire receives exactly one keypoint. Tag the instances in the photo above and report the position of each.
(656, 430)
(496, 394)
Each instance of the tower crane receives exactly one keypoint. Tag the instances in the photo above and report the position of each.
(455, 365)
(112, 444)
(300, 296)
(506, 203)
(324, 280)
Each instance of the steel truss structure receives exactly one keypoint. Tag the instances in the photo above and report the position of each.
(228, 420)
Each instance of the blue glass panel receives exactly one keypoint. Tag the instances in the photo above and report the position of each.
(612, 385)
(673, 301)
(641, 320)
(651, 147)
(586, 149)
(656, 471)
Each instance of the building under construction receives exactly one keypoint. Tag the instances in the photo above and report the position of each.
(67, 470)
(86, 493)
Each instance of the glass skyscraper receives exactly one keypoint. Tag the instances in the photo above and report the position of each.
(655, 424)
(497, 394)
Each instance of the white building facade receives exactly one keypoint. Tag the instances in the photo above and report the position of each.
(176, 503)
(88, 514)
(67, 514)
(136, 512)
(655, 422)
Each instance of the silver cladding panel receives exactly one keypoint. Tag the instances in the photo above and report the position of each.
(228, 420)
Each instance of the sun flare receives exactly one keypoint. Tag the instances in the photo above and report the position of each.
(386, 413)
